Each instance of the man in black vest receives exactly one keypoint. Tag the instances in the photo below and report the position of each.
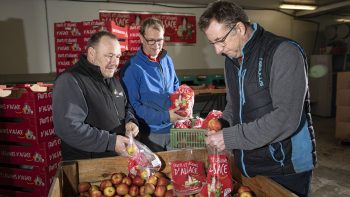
(90, 109)
(267, 120)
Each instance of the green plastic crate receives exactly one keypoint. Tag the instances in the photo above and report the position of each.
(187, 138)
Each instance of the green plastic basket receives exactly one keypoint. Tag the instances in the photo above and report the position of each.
(187, 138)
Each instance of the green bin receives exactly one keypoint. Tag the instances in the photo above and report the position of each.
(187, 138)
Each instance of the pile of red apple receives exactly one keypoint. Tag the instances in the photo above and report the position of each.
(120, 184)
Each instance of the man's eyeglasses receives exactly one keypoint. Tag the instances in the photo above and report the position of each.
(152, 41)
(109, 57)
(221, 42)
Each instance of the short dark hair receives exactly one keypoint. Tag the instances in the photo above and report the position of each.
(152, 22)
(95, 38)
(225, 12)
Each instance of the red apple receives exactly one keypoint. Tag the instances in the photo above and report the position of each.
(149, 188)
(246, 194)
(162, 181)
(127, 180)
(152, 179)
(122, 189)
(96, 193)
(214, 124)
(138, 181)
(134, 190)
(160, 191)
(142, 190)
(117, 178)
(243, 188)
(109, 191)
(105, 183)
(169, 193)
(83, 187)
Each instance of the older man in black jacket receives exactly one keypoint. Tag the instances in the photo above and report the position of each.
(90, 109)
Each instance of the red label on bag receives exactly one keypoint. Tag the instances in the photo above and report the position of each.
(188, 176)
(219, 177)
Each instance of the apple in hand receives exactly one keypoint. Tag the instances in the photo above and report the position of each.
(131, 149)
(109, 191)
(214, 124)
(245, 194)
(243, 188)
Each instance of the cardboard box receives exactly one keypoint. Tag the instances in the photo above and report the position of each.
(343, 80)
(343, 97)
(71, 173)
(27, 101)
(22, 192)
(28, 180)
(342, 130)
(42, 154)
(67, 29)
(27, 130)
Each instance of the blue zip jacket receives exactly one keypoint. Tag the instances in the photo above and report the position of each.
(148, 85)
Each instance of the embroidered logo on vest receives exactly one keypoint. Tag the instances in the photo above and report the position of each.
(118, 94)
(260, 78)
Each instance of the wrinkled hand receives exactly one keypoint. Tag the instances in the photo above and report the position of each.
(175, 117)
(131, 129)
(215, 140)
(120, 145)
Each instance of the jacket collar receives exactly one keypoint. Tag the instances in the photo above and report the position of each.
(144, 56)
(93, 69)
(254, 38)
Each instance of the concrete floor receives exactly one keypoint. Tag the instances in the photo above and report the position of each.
(332, 174)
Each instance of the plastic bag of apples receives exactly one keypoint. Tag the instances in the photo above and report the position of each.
(184, 99)
(142, 161)
(219, 176)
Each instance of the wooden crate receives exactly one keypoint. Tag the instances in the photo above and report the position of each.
(71, 173)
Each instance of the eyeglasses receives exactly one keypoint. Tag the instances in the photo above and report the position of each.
(109, 57)
(221, 42)
(152, 41)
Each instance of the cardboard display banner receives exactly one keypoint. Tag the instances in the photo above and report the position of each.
(178, 28)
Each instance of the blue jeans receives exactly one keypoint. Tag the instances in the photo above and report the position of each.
(297, 183)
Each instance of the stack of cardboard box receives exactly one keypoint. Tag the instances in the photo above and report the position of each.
(30, 151)
(342, 130)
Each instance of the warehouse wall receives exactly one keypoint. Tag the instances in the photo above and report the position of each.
(24, 33)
